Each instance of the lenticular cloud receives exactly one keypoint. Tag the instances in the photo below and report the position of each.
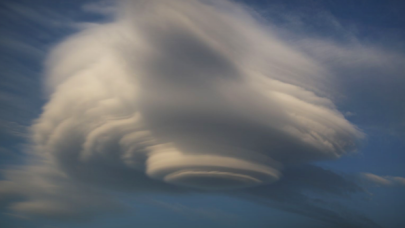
(173, 96)
(195, 94)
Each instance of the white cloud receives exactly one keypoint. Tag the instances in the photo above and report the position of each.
(176, 96)
(168, 71)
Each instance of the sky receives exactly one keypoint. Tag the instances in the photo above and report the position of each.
(202, 113)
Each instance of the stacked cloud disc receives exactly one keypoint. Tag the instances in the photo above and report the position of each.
(207, 172)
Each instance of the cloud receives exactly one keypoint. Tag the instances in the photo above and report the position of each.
(43, 191)
(381, 181)
(181, 96)
(106, 7)
(40, 16)
(165, 94)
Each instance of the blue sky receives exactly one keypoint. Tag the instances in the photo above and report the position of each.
(202, 113)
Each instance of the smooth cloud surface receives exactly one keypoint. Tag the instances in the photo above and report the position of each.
(176, 96)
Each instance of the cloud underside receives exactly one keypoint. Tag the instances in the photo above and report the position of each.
(175, 97)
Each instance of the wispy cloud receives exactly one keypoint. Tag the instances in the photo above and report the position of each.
(381, 181)
(41, 16)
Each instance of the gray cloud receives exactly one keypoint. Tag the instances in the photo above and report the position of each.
(44, 191)
(182, 96)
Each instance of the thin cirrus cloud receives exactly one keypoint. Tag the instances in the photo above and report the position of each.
(181, 96)
(375, 180)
